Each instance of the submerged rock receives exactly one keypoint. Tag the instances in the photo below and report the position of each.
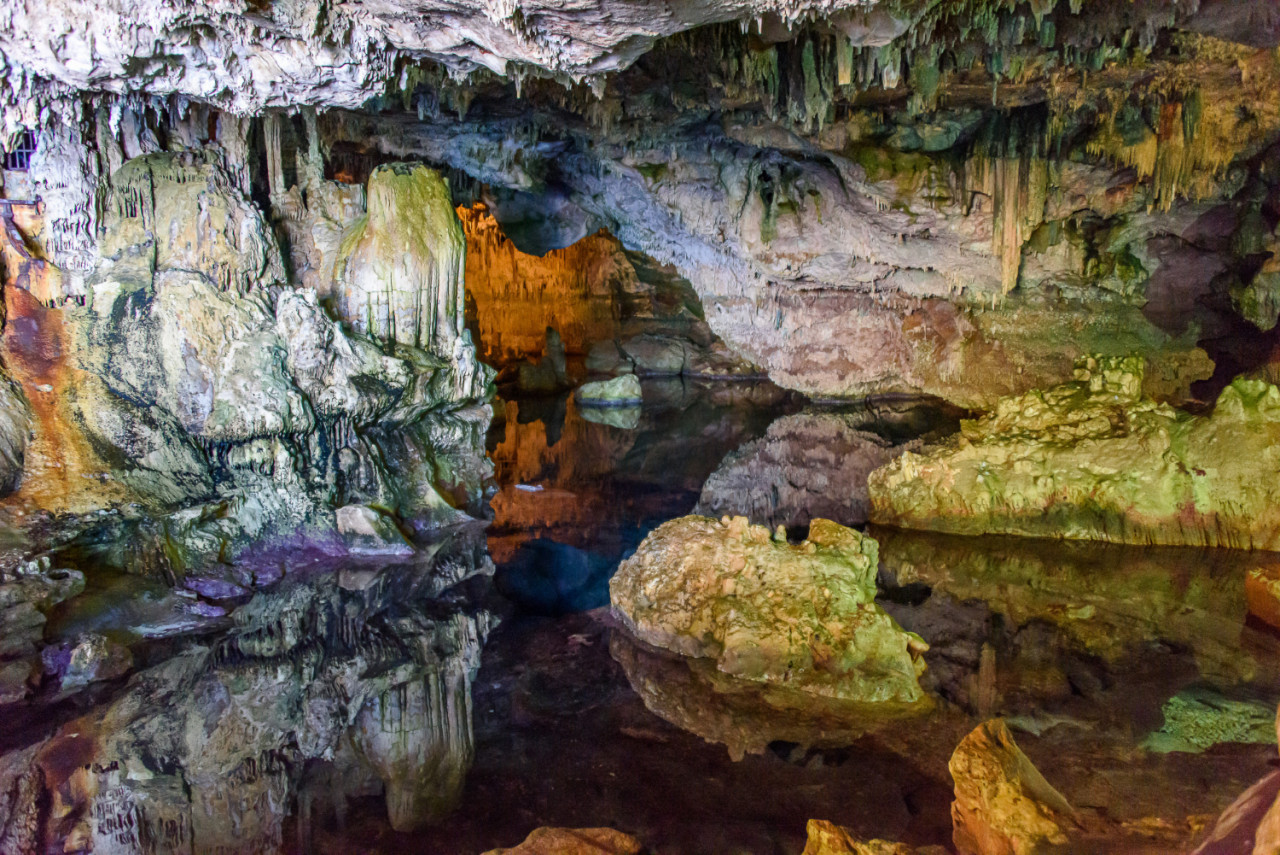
(827, 838)
(621, 391)
(798, 615)
(1094, 459)
(1003, 805)
(574, 841)
(1197, 719)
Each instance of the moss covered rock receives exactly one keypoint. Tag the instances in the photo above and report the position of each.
(801, 615)
(1094, 459)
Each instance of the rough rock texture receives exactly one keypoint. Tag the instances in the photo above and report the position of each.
(28, 590)
(800, 615)
(307, 54)
(815, 464)
(574, 841)
(827, 838)
(190, 374)
(1095, 459)
(1003, 805)
(619, 392)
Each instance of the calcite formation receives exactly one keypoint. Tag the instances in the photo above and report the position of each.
(1003, 805)
(798, 615)
(1095, 459)
(399, 270)
(827, 838)
(623, 391)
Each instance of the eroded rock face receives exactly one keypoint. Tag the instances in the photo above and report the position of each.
(1094, 459)
(811, 465)
(765, 610)
(192, 375)
(827, 838)
(1003, 805)
(574, 841)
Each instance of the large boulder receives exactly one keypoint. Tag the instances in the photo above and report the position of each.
(1095, 459)
(827, 838)
(800, 615)
(1003, 805)
(621, 391)
(574, 841)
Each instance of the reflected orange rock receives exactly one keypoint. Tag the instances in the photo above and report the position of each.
(550, 484)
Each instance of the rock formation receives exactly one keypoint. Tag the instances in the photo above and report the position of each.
(1095, 459)
(826, 838)
(574, 841)
(1003, 805)
(802, 616)
(621, 391)
(815, 464)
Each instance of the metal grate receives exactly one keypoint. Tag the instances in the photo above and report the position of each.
(19, 157)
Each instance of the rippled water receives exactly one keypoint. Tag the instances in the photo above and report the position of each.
(480, 690)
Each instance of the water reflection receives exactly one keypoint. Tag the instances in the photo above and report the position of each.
(308, 705)
(576, 493)
(342, 680)
(814, 464)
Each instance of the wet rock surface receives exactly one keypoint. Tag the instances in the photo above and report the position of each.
(797, 615)
(1094, 459)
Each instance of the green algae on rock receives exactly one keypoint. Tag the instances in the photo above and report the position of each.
(1094, 459)
(621, 391)
(800, 615)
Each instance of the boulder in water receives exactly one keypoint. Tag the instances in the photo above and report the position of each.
(801, 615)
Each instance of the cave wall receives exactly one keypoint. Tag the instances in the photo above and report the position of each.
(958, 199)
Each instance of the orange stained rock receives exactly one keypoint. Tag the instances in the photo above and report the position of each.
(1262, 593)
(21, 257)
(1003, 805)
(517, 296)
(63, 472)
(574, 841)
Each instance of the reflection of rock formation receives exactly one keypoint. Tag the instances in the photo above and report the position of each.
(815, 464)
(344, 683)
(1093, 459)
(1102, 602)
(557, 466)
(744, 715)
